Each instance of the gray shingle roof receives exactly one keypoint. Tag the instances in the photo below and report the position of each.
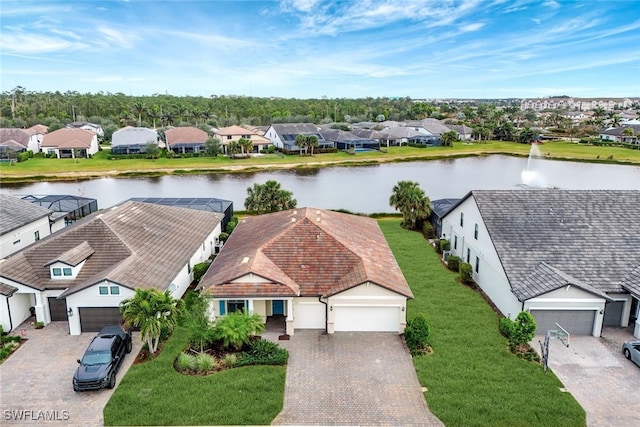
(138, 245)
(15, 212)
(592, 236)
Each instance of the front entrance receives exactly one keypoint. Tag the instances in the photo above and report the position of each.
(277, 307)
(57, 309)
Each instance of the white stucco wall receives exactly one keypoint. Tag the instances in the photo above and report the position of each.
(90, 297)
(20, 302)
(490, 276)
(22, 237)
(273, 136)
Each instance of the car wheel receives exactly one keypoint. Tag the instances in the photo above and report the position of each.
(76, 389)
(128, 346)
(626, 353)
(112, 381)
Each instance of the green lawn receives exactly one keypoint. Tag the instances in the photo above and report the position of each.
(153, 393)
(471, 377)
(100, 165)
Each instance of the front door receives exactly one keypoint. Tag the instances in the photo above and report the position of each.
(277, 307)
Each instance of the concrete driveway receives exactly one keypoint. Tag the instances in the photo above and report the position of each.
(596, 373)
(352, 378)
(35, 381)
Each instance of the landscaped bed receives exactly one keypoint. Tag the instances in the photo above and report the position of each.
(471, 376)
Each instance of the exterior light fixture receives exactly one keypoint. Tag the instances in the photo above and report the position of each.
(70, 312)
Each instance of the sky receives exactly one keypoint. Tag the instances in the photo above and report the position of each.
(313, 48)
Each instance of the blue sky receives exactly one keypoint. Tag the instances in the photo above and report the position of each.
(309, 49)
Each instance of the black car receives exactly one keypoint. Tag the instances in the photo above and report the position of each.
(102, 359)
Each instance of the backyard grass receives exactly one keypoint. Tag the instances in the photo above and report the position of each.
(471, 377)
(37, 169)
(153, 393)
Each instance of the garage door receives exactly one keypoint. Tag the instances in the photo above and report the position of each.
(92, 319)
(613, 313)
(366, 318)
(309, 315)
(576, 322)
(57, 308)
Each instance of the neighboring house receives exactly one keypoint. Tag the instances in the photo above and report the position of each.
(398, 136)
(344, 140)
(133, 140)
(440, 208)
(18, 140)
(465, 133)
(429, 140)
(67, 209)
(368, 134)
(91, 127)
(314, 268)
(70, 143)
(283, 135)
(427, 126)
(619, 134)
(570, 257)
(231, 134)
(187, 139)
(82, 273)
(21, 224)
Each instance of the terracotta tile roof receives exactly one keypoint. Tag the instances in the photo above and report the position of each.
(185, 135)
(39, 128)
(18, 136)
(68, 138)
(75, 255)
(306, 252)
(235, 130)
(138, 245)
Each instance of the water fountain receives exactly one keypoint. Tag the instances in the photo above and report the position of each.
(532, 175)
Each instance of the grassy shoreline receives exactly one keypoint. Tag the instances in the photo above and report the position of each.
(39, 169)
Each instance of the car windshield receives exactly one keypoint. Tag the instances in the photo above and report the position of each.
(96, 358)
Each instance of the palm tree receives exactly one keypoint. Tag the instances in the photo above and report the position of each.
(233, 148)
(138, 108)
(312, 141)
(152, 311)
(408, 198)
(301, 141)
(246, 145)
(268, 197)
(448, 138)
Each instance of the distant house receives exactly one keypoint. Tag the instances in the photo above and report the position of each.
(231, 134)
(91, 127)
(367, 133)
(397, 136)
(21, 224)
(82, 273)
(310, 269)
(427, 126)
(283, 135)
(569, 257)
(465, 133)
(19, 140)
(67, 209)
(70, 143)
(344, 140)
(186, 139)
(620, 134)
(132, 140)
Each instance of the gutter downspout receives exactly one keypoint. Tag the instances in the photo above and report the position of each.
(9, 311)
(326, 314)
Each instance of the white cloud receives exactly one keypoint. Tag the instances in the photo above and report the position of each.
(31, 44)
(125, 40)
(471, 27)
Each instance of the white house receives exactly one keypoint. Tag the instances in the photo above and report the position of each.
(82, 273)
(133, 140)
(70, 143)
(570, 257)
(21, 139)
(21, 224)
(311, 269)
(283, 135)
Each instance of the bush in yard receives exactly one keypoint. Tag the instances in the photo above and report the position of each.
(524, 328)
(186, 362)
(195, 319)
(453, 263)
(205, 362)
(237, 328)
(223, 237)
(466, 272)
(199, 270)
(444, 245)
(506, 327)
(263, 352)
(416, 334)
(230, 360)
(427, 230)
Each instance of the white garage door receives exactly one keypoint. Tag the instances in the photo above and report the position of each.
(366, 318)
(576, 322)
(309, 315)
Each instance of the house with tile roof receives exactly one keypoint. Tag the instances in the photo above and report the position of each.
(427, 126)
(622, 134)
(344, 140)
(569, 257)
(21, 224)
(283, 135)
(19, 140)
(91, 127)
(82, 273)
(186, 139)
(313, 268)
(234, 133)
(70, 143)
(133, 140)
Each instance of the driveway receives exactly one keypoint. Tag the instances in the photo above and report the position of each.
(35, 381)
(351, 378)
(596, 373)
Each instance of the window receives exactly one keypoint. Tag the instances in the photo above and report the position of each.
(234, 305)
(455, 242)
(104, 290)
(15, 242)
(115, 290)
(228, 136)
(189, 268)
(468, 255)
(461, 219)
(475, 232)
(66, 271)
(477, 264)
(57, 272)
(36, 235)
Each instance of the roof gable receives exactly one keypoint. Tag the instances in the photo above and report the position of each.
(68, 138)
(15, 213)
(185, 135)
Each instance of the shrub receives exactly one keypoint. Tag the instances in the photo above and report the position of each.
(453, 263)
(230, 360)
(23, 157)
(427, 230)
(237, 328)
(444, 245)
(524, 328)
(416, 334)
(223, 237)
(38, 325)
(205, 362)
(506, 327)
(199, 270)
(263, 352)
(466, 272)
(186, 362)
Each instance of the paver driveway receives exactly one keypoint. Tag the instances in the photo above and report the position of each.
(36, 379)
(605, 383)
(352, 379)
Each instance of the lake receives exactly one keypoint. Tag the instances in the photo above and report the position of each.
(363, 189)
